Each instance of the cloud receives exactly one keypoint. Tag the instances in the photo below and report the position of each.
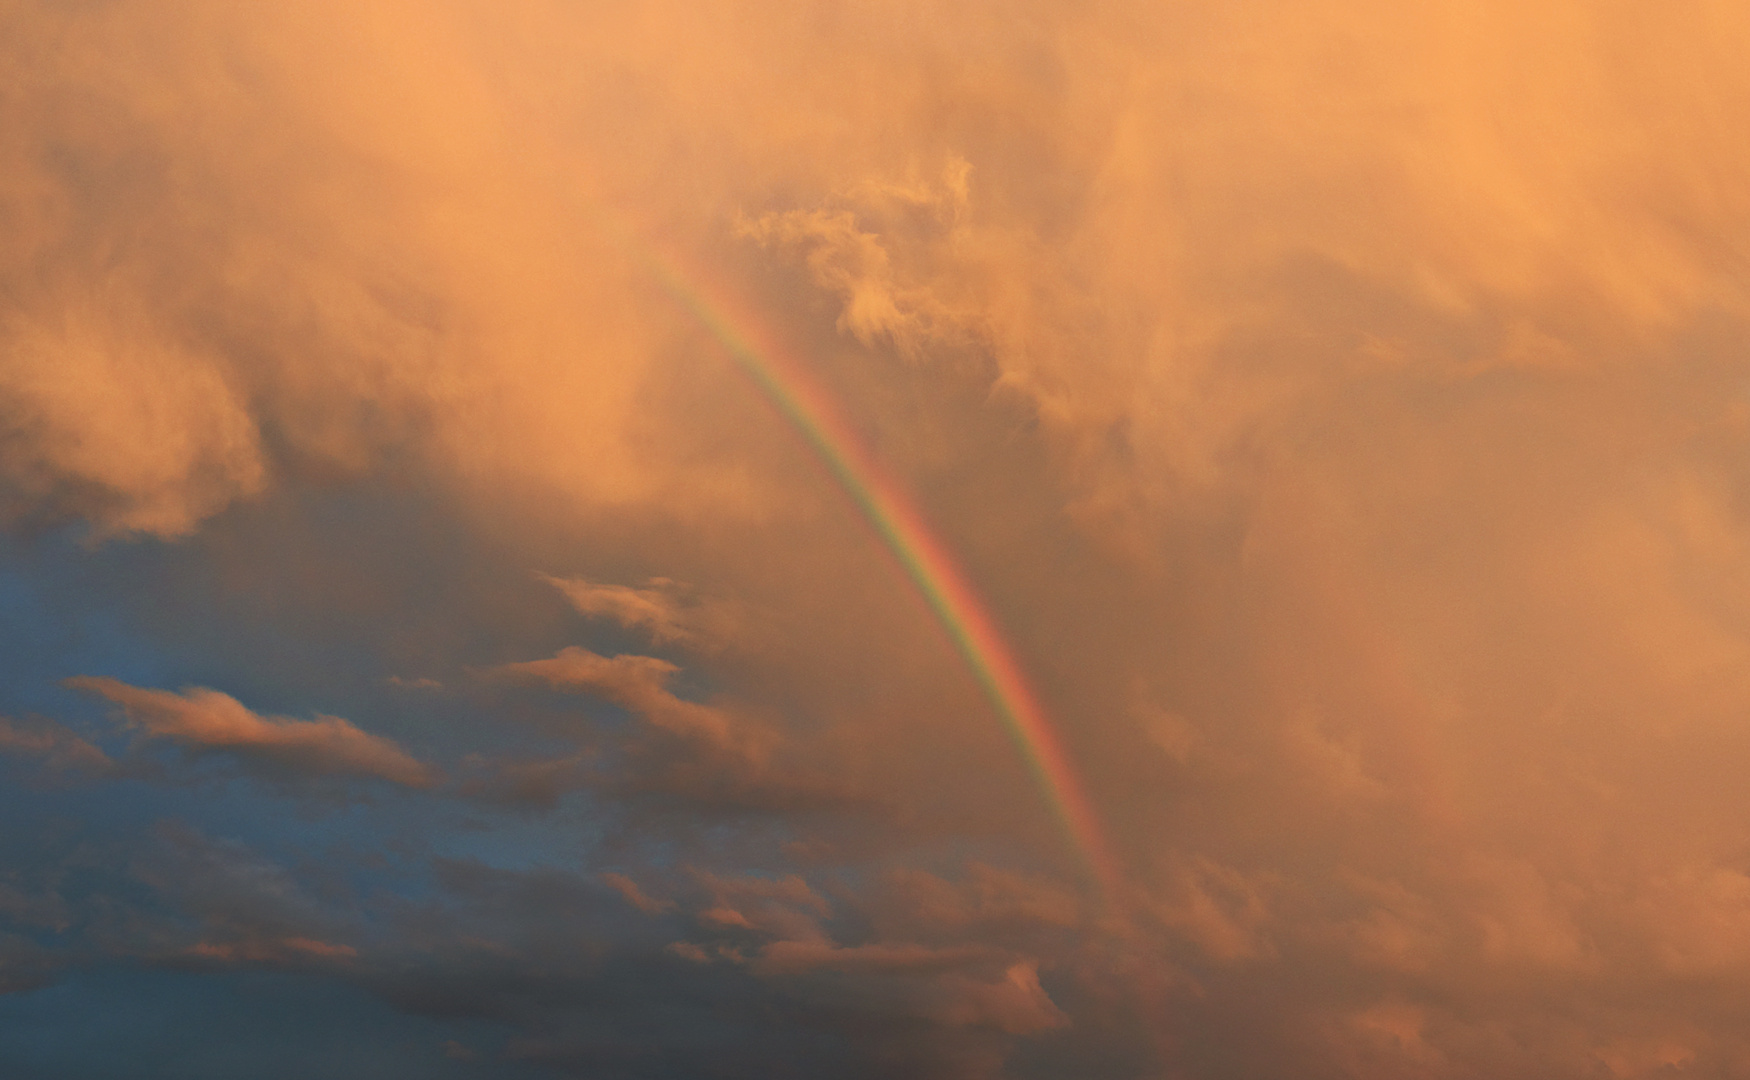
(787, 908)
(58, 749)
(1341, 410)
(130, 429)
(797, 957)
(706, 754)
(606, 987)
(652, 609)
(987, 897)
(635, 896)
(420, 683)
(538, 782)
(661, 609)
(203, 721)
(279, 953)
(1223, 911)
(636, 683)
(852, 263)
(221, 903)
(776, 927)
(1014, 1004)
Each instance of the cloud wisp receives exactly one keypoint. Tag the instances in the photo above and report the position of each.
(202, 721)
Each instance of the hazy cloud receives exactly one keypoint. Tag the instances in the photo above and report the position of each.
(56, 747)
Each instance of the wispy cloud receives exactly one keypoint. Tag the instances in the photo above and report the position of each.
(662, 609)
(710, 754)
(201, 721)
(58, 749)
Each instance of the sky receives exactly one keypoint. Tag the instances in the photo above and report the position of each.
(863, 538)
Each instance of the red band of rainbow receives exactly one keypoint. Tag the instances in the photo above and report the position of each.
(813, 411)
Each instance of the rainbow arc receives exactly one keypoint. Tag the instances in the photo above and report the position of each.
(814, 412)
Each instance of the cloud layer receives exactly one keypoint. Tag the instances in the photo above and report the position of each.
(1342, 410)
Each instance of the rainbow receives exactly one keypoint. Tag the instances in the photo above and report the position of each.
(814, 412)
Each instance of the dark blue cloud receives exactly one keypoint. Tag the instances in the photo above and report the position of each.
(181, 1025)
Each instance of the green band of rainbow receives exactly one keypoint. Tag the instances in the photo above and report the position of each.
(927, 561)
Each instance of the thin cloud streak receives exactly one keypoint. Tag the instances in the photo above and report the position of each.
(200, 720)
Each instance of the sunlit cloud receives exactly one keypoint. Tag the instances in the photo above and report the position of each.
(877, 540)
(200, 720)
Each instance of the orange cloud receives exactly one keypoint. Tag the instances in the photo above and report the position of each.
(206, 721)
(662, 609)
(55, 746)
(276, 952)
(652, 609)
(708, 754)
(638, 683)
(1342, 406)
(636, 896)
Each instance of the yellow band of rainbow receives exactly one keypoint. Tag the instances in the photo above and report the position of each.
(814, 412)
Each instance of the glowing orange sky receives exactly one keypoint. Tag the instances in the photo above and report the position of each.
(1339, 413)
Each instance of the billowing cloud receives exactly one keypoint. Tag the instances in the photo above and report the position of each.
(1341, 410)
